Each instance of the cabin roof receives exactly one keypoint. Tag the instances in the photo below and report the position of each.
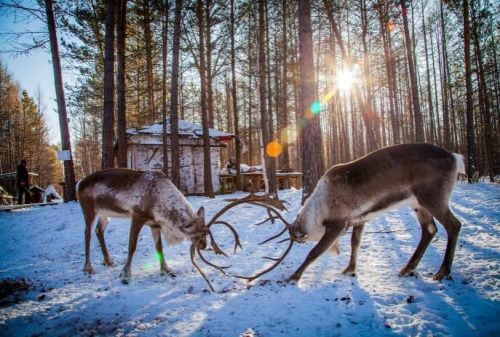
(186, 128)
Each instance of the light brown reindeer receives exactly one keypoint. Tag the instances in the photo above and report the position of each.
(147, 197)
(348, 195)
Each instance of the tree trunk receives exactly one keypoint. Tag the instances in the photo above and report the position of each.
(285, 129)
(268, 74)
(164, 86)
(264, 115)
(210, 93)
(417, 114)
(439, 138)
(370, 102)
(484, 101)
(174, 93)
(444, 86)
(250, 91)
(311, 144)
(389, 67)
(432, 129)
(235, 103)
(207, 169)
(69, 173)
(108, 116)
(148, 40)
(120, 83)
(471, 145)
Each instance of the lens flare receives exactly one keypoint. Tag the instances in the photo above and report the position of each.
(316, 107)
(159, 256)
(327, 97)
(390, 25)
(288, 135)
(273, 149)
(149, 266)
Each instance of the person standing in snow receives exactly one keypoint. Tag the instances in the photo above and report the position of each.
(23, 183)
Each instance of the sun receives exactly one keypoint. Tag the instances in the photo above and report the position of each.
(345, 79)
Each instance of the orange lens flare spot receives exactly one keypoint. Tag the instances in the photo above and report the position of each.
(390, 25)
(273, 149)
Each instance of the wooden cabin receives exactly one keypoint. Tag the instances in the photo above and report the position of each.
(145, 152)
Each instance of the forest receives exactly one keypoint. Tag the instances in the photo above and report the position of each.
(328, 81)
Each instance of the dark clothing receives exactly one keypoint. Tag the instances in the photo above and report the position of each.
(22, 173)
(23, 184)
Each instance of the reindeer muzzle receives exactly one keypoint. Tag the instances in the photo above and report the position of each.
(202, 244)
(298, 236)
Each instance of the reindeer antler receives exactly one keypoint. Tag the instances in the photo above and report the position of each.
(267, 270)
(273, 206)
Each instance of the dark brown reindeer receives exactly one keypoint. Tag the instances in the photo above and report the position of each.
(147, 197)
(348, 195)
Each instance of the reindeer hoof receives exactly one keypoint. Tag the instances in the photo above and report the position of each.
(293, 279)
(87, 269)
(125, 276)
(109, 263)
(440, 275)
(350, 273)
(408, 272)
(168, 272)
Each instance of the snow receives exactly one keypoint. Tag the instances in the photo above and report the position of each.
(185, 128)
(45, 246)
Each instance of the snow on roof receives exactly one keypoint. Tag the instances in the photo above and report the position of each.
(185, 128)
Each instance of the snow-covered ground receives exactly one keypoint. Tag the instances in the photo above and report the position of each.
(44, 248)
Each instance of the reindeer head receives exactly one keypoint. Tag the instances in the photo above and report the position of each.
(297, 232)
(200, 229)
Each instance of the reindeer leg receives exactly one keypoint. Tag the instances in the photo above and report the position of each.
(452, 226)
(357, 233)
(164, 269)
(135, 229)
(428, 231)
(332, 232)
(99, 231)
(89, 215)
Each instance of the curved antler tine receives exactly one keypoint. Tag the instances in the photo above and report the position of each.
(271, 258)
(267, 270)
(270, 216)
(284, 240)
(237, 242)
(193, 261)
(260, 200)
(274, 258)
(265, 220)
(266, 198)
(274, 236)
(213, 265)
(233, 203)
(215, 246)
(276, 203)
(271, 209)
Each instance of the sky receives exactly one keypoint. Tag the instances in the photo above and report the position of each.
(31, 72)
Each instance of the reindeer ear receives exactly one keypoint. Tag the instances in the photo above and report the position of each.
(201, 212)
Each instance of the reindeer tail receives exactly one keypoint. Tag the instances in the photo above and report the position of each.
(460, 163)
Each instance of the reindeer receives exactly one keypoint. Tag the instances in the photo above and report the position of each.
(348, 195)
(147, 197)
